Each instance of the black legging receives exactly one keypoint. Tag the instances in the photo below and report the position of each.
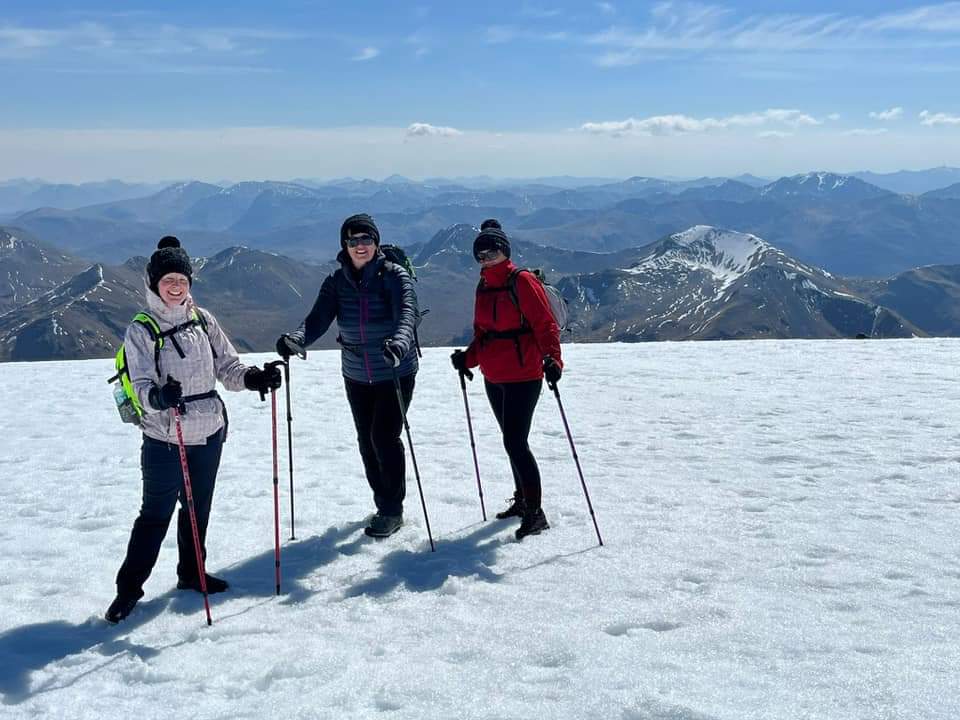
(376, 415)
(513, 405)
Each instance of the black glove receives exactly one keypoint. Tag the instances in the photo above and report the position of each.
(168, 396)
(459, 361)
(551, 370)
(392, 353)
(287, 346)
(262, 381)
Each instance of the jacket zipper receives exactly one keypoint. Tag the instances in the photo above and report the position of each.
(364, 309)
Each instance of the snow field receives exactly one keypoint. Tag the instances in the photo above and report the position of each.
(779, 518)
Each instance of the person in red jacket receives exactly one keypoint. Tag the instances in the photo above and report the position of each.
(516, 343)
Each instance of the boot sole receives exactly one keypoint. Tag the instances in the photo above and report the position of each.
(379, 535)
(532, 532)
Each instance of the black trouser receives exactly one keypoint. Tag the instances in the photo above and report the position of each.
(377, 417)
(513, 405)
(162, 487)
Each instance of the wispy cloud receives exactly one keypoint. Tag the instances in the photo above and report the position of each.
(684, 124)
(539, 13)
(428, 130)
(931, 119)
(17, 41)
(367, 53)
(683, 27)
(607, 8)
(833, 117)
(777, 134)
(865, 132)
(500, 34)
(894, 113)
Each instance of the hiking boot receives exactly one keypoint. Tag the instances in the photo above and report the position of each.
(533, 524)
(515, 509)
(121, 606)
(382, 526)
(214, 584)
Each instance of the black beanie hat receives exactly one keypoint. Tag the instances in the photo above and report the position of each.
(359, 223)
(168, 258)
(492, 237)
(490, 223)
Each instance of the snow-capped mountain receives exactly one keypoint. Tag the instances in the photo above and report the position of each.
(28, 269)
(822, 184)
(709, 283)
(255, 295)
(81, 318)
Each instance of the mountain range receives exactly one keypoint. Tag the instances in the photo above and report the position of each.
(701, 283)
(838, 222)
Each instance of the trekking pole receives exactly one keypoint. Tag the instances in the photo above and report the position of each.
(276, 491)
(188, 489)
(276, 478)
(286, 381)
(413, 456)
(576, 459)
(473, 444)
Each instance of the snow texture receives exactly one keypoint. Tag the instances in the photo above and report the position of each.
(780, 527)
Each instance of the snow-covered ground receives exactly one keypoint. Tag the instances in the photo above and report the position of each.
(780, 520)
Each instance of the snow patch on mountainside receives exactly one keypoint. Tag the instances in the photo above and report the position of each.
(726, 255)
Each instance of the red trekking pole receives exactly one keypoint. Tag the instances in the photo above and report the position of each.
(276, 474)
(190, 511)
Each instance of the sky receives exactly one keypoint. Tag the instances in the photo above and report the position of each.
(302, 88)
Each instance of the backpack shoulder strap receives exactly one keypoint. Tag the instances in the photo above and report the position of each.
(156, 335)
(202, 321)
(512, 287)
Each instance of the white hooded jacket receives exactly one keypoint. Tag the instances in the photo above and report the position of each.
(207, 357)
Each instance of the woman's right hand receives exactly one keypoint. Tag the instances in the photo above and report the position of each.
(459, 361)
(287, 347)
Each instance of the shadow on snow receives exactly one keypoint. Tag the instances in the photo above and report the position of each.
(26, 649)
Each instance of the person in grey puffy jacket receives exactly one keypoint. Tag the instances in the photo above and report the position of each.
(195, 354)
(375, 306)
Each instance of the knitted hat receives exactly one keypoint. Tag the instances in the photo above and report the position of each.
(168, 258)
(490, 223)
(359, 223)
(492, 238)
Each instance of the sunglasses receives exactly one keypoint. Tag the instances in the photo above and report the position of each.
(355, 240)
(484, 255)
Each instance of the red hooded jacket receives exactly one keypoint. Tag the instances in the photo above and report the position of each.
(512, 359)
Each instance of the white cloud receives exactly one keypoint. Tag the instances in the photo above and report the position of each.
(775, 134)
(428, 130)
(607, 8)
(931, 119)
(367, 53)
(894, 113)
(684, 124)
(833, 117)
(865, 132)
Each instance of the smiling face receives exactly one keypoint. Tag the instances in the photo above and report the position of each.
(361, 248)
(174, 289)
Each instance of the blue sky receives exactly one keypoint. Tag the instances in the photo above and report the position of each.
(312, 88)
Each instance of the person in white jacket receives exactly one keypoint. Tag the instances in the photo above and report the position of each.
(178, 371)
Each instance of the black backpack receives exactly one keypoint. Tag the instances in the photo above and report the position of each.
(398, 256)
